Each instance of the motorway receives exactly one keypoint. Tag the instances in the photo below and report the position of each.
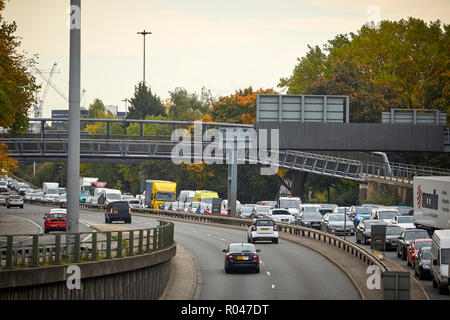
(288, 271)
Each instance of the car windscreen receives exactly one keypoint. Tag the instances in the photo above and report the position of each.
(242, 248)
(133, 201)
(337, 217)
(247, 209)
(405, 219)
(113, 196)
(393, 231)
(281, 212)
(289, 203)
(416, 234)
(195, 205)
(312, 215)
(422, 244)
(57, 215)
(165, 196)
(387, 214)
(264, 223)
(16, 197)
(426, 255)
(363, 210)
(311, 209)
(262, 208)
(404, 210)
(369, 224)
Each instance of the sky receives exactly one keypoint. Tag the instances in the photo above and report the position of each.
(221, 45)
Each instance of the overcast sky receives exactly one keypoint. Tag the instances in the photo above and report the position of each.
(221, 45)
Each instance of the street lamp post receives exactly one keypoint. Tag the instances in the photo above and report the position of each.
(144, 33)
(73, 152)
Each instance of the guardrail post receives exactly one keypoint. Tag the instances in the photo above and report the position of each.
(119, 244)
(141, 240)
(131, 244)
(94, 246)
(57, 249)
(9, 251)
(76, 249)
(108, 245)
(147, 250)
(35, 251)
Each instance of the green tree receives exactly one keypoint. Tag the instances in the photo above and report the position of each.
(187, 106)
(17, 85)
(144, 103)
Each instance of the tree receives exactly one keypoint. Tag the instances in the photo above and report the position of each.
(17, 85)
(239, 107)
(187, 106)
(401, 64)
(144, 103)
(7, 163)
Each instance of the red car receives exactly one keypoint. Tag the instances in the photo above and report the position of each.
(55, 221)
(414, 248)
(207, 211)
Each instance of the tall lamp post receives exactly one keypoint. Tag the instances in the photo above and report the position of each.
(73, 152)
(144, 33)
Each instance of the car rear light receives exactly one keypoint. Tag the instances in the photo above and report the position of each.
(129, 210)
(255, 256)
(254, 228)
(230, 257)
(275, 228)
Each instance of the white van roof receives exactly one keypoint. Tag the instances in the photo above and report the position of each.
(444, 238)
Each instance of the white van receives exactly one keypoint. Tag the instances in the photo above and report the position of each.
(440, 257)
(187, 195)
(109, 195)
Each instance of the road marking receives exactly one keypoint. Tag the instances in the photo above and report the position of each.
(268, 273)
(273, 286)
(208, 235)
(34, 224)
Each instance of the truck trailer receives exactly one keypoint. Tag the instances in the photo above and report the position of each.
(432, 202)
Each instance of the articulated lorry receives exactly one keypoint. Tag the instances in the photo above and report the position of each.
(432, 202)
(157, 192)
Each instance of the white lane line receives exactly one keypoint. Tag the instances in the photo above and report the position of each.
(223, 239)
(273, 286)
(208, 235)
(40, 229)
(268, 273)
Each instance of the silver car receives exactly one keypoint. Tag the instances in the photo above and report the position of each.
(14, 201)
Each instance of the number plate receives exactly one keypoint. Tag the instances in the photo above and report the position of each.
(265, 229)
(242, 258)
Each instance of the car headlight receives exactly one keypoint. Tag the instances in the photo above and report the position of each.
(306, 222)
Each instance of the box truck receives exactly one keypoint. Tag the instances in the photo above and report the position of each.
(157, 192)
(432, 202)
(50, 188)
(440, 258)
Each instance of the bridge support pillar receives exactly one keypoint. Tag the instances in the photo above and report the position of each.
(298, 182)
(386, 192)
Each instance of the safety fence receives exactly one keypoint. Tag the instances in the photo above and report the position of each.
(33, 250)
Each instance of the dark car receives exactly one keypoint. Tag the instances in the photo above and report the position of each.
(310, 218)
(118, 211)
(422, 267)
(392, 234)
(336, 224)
(241, 256)
(364, 230)
(408, 236)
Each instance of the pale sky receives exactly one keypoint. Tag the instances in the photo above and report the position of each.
(221, 45)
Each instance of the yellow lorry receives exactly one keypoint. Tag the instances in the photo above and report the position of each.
(205, 196)
(157, 192)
